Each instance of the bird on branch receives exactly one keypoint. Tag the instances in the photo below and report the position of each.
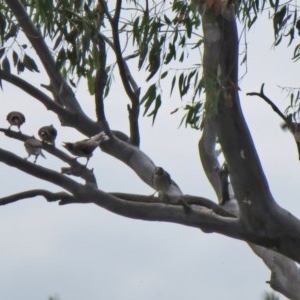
(161, 182)
(48, 134)
(15, 118)
(33, 147)
(86, 147)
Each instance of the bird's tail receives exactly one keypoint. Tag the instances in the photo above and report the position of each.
(100, 137)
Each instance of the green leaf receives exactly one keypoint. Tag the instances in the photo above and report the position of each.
(15, 57)
(6, 65)
(171, 53)
(173, 84)
(91, 84)
(156, 108)
(167, 20)
(30, 64)
(57, 41)
(20, 67)
(12, 32)
(150, 94)
(2, 51)
(163, 75)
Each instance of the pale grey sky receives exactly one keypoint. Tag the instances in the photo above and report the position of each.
(84, 252)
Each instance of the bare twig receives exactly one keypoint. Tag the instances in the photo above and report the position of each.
(262, 95)
(130, 86)
(49, 196)
(100, 82)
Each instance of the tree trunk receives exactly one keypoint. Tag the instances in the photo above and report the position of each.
(259, 215)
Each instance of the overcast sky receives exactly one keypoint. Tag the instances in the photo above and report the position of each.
(84, 252)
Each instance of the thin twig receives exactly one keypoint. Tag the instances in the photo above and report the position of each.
(49, 196)
(262, 95)
(130, 86)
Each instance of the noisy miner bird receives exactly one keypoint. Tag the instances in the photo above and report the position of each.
(33, 147)
(161, 181)
(15, 118)
(48, 134)
(85, 148)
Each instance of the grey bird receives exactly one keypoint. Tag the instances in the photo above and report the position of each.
(48, 134)
(33, 147)
(161, 181)
(86, 147)
(15, 118)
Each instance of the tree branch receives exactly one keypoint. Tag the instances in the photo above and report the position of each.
(36, 93)
(75, 169)
(284, 273)
(100, 82)
(49, 196)
(189, 199)
(130, 86)
(59, 86)
(208, 157)
(262, 95)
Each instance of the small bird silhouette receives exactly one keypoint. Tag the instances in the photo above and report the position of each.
(161, 181)
(86, 147)
(48, 134)
(15, 118)
(33, 147)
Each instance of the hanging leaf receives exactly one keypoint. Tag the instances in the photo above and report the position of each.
(30, 64)
(15, 57)
(6, 65)
(155, 109)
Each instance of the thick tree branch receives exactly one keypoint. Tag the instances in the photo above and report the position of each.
(189, 199)
(285, 276)
(273, 227)
(209, 158)
(36, 93)
(197, 217)
(39, 171)
(68, 118)
(49, 196)
(60, 88)
(75, 168)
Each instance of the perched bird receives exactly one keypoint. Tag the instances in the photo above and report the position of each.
(33, 147)
(48, 134)
(85, 148)
(161, 181)
(15, 118)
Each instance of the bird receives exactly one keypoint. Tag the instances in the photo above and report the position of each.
(48, 134)
(161, 181)
(15, 118)
(33, 146)
(86, 147)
